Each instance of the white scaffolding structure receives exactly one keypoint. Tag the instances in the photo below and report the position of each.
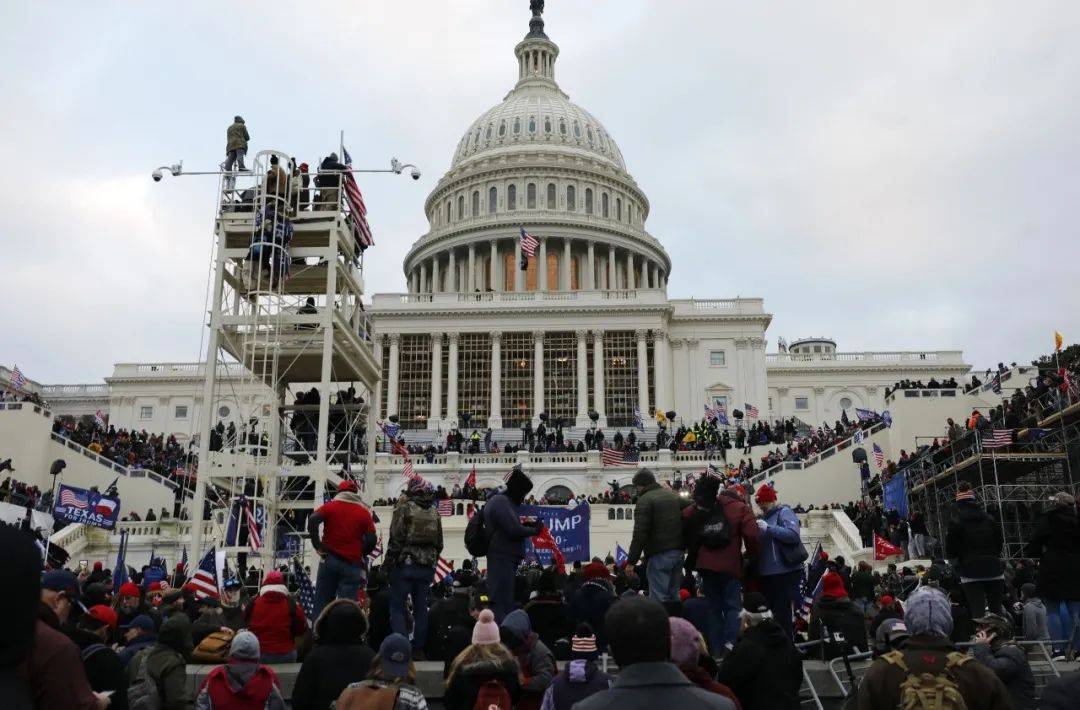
(285, 314)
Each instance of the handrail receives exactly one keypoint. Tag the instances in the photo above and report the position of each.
(815, 458)
(941, 356)
(112, 465)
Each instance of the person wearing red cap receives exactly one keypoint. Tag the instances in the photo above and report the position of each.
(276, 619)
(104, 669)
(781, 557)
(348, 532)
(836, 621)
(591, 601)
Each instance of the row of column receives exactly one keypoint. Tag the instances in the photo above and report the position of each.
(661, 365)
(598, 273)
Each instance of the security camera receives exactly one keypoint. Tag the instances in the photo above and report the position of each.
(415, 174)
(156, 175)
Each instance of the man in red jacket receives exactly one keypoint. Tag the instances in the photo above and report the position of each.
(276, 620)
(348, 533)
(718, 528)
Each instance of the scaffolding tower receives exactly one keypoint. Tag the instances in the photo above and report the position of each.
(1013, 482)
(287, 323)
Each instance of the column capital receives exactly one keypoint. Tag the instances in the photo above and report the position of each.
(641, 333)
(452, 338)
(394, 338)
(436, 339)
(538, 336)
(742, 343)
(659, 336)
(598, 334)
(582, 334)
(757, 343)
(677, 343)
(782, 391)
(871, 389)
(496, 336)
(692, 343)
(819, 391)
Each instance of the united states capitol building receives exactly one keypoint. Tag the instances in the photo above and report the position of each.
(588, 327)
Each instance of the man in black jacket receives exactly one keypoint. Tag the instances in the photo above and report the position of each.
(974, 541)
(104, 669)
(764, 669)
(836, 620)
(1057, 541)
(507, 534)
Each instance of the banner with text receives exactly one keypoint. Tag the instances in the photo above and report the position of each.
(569, 527)
(78, 505)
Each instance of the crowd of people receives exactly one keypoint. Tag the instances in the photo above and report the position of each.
(161, 454)
(932, 384)
(715, 592)
(22, 494)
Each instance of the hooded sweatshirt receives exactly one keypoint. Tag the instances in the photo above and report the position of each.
(535, 659)
(502, 518)
(764, 669)
(577, 681)
(339, 658)
(240, 685)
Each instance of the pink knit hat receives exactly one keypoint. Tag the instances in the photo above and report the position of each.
(686, 643)
(486, 630)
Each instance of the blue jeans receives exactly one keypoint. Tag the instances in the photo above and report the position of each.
(664, 572)
(1061, 620)
(337, 579)
(289, 657)
(723, 592)
(500, 578)
(410, 581)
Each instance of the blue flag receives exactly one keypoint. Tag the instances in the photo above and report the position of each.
(895, 494)
(620, 555)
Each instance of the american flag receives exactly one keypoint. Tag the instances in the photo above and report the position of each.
(407, 470)
(529, 244)
(356, 202)
(811, 584)
(446, 507)
(710, 413)
(18, 381)
(751, 411)
(69, 498)
(995, 384)
(253, 527)
(721, 414)
(879, 456)
(997, 438)
(204, 582)
(376, 552)
(390, 430)
(615, 457)
(99, 419)
(638, 422)
(305, 590)
(442, 570)
(184, 560)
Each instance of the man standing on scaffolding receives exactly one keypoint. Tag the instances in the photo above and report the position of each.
(236, 144)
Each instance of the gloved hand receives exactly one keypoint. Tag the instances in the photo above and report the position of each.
(762, 525)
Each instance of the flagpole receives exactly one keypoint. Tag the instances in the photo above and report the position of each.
(48, 538)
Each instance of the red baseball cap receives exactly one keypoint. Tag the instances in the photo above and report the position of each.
(104, 614)
(129, 589)
(347, 486)
(765, 494)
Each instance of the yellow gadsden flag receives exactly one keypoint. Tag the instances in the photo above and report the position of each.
(1058, 341)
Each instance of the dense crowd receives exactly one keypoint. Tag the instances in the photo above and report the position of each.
(22, 494)
(932, 384)
(706, 607)
(31, 397)
(161, 454)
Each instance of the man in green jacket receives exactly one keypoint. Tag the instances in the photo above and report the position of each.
(236, 144)
(658, 534)
(166, 666)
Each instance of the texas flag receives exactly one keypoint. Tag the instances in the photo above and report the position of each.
(105, 507)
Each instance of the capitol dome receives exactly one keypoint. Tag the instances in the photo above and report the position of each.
(539, 162)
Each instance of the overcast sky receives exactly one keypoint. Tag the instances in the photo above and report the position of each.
(895, 176)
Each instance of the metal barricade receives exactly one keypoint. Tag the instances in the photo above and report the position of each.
(860, 664)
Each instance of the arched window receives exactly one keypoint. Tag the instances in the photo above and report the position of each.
(493, 199)
(562, 126)
(604, 204)
(448, 211)
(487, 133)
(530, 196)
(532, 124)
(517, 125)
(461, 207)
(476, 138)
(588, 133)
(547, 125)
(618, 208)
(502, 128)
(475, 203)
(571, 198)
(551, 196)
(588, 200)
(577, 129)
(511, 197)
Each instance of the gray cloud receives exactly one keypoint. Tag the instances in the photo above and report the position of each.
(894, 176)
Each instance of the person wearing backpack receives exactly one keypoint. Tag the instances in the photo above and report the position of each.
(416, 541)
(927, 671)
(157, 676)
(781, 556)
(994, 648)
(485, 674)
(340, 656)
(242, 683)
(658, 536)
(391, 684)
(103, 666)
(276, 619)
(581, 677)
(506, 535)
(717, 528)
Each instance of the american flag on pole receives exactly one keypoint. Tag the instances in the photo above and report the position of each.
(997, 438)
(995, 384)
(710, 413)
(70, 499)
(100, 420)
(446, 507)
(253, 527)
(18, 381)
(356, 203)
(442, 570)
(811, 585)
(615, 457)
(204, 582)
(376, 552)
(529, 244)
(407, 470)
(305, 590)
(751, 411)
(879, 456)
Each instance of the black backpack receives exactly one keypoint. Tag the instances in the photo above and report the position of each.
(477, 539)
(715, 531)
